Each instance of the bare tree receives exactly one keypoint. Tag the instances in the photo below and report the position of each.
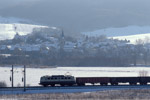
(147, 40)
(143, 73)
(139, 42)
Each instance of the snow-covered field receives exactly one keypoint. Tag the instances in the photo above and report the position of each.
(131, 33)
(133, 38)
(8, 31)
(121, 31)
(34, 74)
(10, 25)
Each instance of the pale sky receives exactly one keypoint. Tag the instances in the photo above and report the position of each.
(80, 15)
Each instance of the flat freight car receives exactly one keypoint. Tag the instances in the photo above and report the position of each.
(112, 80)
(130, 80)
(83, 80)
(144, 80)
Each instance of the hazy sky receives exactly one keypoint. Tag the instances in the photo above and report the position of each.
(9, 3)
(80, 15)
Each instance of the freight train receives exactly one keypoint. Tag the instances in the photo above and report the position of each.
(69, 80)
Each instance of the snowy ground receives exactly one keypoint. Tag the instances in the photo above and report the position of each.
(8, 31)
(120, 31)
(133, 38)
(131, 33)
(34, 74)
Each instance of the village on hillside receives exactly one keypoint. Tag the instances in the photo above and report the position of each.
(56, 48)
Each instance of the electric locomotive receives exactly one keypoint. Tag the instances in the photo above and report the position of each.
(57, 80)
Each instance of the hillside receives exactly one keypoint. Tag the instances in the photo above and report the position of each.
(8, 31)
(9, 27)
(43, 45)
(133, 38)
(131, 33)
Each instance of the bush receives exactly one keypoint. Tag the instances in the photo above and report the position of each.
(3, 84)
(143, 73)
(18, 85)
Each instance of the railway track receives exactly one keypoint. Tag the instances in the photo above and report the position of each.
(108, 87)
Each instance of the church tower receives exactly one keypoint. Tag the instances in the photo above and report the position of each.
(62, 44)
(62, 41)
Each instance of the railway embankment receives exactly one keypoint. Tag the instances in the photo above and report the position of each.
(127, 94)
(71, 89)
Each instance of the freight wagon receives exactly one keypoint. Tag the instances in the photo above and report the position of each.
(93, 80)
(112, 80)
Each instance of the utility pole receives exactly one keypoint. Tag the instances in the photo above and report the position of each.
(12, 84)
(24, 78)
